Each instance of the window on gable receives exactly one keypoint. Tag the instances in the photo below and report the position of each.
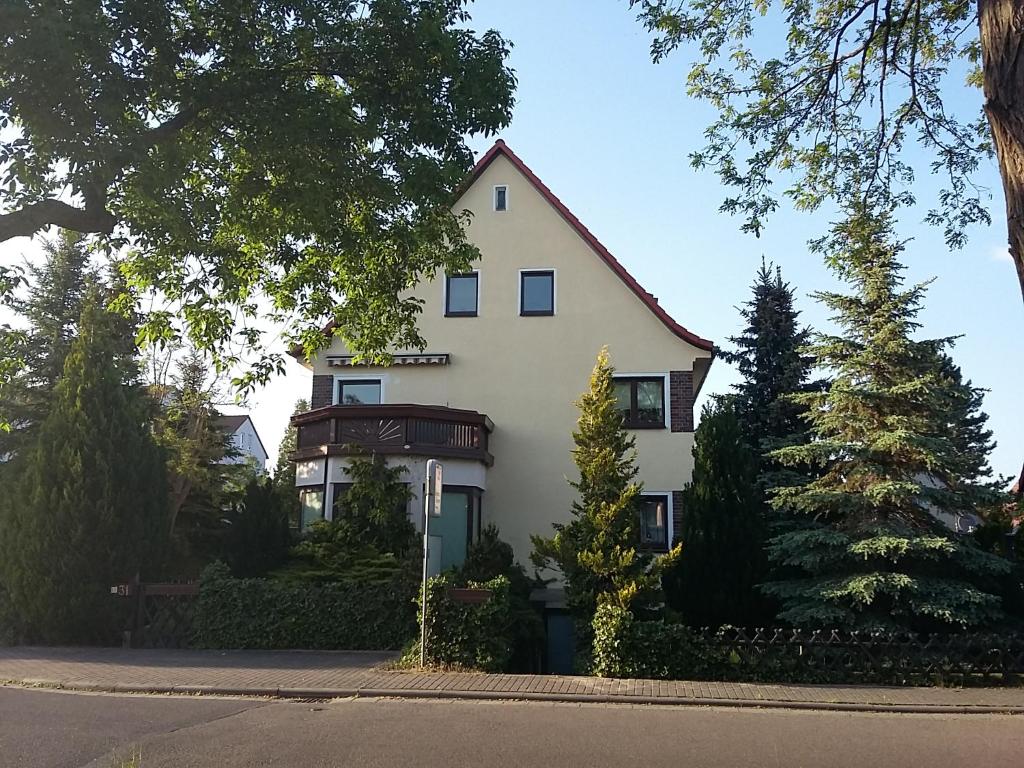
(654, 521)
(501, 198)
(537, 292)
(462, 295)
(641, 400)
(359, 392)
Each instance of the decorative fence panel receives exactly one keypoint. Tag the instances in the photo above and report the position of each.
(869, 657)
(162, 615)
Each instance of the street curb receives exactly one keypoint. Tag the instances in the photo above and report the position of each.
(565, 698)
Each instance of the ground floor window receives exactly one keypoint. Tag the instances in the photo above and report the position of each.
(654, 512)
(311, 507)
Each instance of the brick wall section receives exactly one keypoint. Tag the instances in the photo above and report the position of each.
(323, 391)
(677, 516)
(680, 400)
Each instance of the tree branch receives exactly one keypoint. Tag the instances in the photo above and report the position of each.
(29, 219)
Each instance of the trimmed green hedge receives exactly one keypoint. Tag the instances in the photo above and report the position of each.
(625, 647)
(271, 615)
(470, 635)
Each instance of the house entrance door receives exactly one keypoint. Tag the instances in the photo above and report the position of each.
(450, 531)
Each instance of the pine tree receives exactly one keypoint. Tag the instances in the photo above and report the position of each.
(723, 529)
(872, 554)
(258, 539)
(772, 360)
(284, 470)
(50, 309)
(598, 552)
(88, 507)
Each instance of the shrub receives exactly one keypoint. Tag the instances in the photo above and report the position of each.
(469, 635)
(268, 614)
(625, 647)
(258, 538)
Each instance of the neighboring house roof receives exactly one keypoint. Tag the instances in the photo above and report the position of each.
(231, 423)
(500, 148)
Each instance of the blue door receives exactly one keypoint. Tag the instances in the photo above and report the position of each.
(449, 533)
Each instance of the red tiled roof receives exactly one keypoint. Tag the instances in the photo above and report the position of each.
(500, 148)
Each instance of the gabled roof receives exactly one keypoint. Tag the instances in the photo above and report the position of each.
(231, 423)
(500, 148)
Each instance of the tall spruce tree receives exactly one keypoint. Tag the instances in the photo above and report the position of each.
(284, 470)
(50, 309)
(598, 552)
(723, 528)
(770, 354)
(872, 554)
(88, 507)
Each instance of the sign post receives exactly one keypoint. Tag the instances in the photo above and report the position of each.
(431, 508)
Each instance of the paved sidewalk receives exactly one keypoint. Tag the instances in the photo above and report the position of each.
(327, 674)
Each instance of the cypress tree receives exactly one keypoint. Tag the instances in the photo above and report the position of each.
(90, 499)
(872, 554)
(284, 470)
(598, 552)
(714, 581)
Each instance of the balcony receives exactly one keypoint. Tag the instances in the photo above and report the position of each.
(416, 430)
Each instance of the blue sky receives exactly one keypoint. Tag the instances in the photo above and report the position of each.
(610, 133)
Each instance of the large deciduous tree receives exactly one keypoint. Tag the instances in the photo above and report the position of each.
(831, 94)
(897, 438)
(302, 152)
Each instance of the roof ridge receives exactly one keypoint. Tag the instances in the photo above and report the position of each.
(501, 148)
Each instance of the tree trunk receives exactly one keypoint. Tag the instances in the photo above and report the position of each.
(1001, 27)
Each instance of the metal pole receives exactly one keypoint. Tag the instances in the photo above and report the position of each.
(427, 500)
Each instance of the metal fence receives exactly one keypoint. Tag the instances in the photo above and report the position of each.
(869, 657)
(161, 615)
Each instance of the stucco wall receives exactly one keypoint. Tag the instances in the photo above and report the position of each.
(525, 372)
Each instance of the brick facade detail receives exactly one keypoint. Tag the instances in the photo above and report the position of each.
(323, 391)
(677, 516)
(680, 400)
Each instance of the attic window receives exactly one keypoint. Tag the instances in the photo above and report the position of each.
(501, 198)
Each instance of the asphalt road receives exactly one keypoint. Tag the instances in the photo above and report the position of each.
(44, 729)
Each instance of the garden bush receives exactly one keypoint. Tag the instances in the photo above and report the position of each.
(625, 647)
(269, 614)
(469, 635)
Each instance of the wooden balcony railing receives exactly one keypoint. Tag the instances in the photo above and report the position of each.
(423, 430)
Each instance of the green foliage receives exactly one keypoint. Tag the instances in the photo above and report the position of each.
(33, 358)
(268, 614)
(625, 647)
(370, 537)
(598, 552)
(470, 635)
(488, 558)
(304, 152)
(257, 537)
(88, 507)
(871, 554)
(284, 471)
(810, 106)
(723, 529)
(770, 354)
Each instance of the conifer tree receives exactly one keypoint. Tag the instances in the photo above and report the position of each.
(598, 552)
(770, 354)
(50, 310)
(88, 507)
(871, 553)
(714, 581)
(284, 470)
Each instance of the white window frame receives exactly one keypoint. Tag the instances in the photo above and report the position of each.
(554, 290)
(669, 512)
(494, 199)
(339, 377)
(444, 292)
(665, 396)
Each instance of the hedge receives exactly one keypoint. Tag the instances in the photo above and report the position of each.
(625, 647)
(469, 635)
(270, 615)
